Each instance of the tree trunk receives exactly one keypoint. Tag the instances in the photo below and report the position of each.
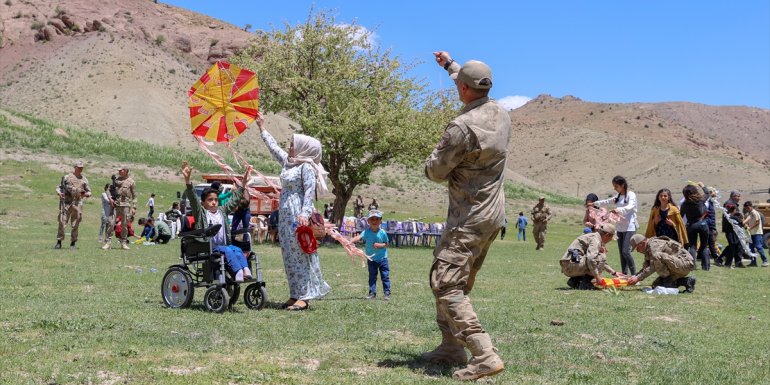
(340, 205)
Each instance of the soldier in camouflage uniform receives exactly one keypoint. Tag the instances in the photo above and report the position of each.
(541, 214)
(666, 257)
(471, 158)
(586, 258)
(125, 207)
(72, 189)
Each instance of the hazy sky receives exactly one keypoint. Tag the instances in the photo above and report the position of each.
(712, 52)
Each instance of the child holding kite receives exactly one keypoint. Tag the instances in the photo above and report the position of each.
(207, 212)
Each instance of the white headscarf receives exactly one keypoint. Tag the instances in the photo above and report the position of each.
(308, 150)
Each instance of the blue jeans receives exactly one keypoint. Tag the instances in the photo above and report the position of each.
(756, 246)
(233, 257)
(522, 234)
(384, 268)
(242, 216)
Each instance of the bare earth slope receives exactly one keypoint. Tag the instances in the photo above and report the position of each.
(129, 75)
(124, 66)
(576, 147)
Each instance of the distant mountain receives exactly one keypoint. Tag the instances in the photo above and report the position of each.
(575, 146)
(124, 66)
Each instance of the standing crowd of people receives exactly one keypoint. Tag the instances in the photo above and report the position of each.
(676, 236)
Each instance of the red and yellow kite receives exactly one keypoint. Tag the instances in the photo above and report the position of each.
(223, 102)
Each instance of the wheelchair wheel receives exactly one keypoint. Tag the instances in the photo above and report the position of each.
(255, 296)
(216, 299)
(177, 288)
(233, 291)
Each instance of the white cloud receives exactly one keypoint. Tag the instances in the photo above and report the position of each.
(513, 102)
(358, 32)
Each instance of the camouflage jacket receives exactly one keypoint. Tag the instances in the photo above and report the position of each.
(73, 187)
(126, 190)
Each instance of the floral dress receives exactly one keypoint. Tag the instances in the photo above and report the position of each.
(303, 270)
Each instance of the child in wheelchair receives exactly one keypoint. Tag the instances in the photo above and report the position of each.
(207, 212)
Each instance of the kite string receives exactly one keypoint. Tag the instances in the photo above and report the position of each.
(220, 161)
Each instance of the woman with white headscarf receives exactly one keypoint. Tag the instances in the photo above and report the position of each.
(301, 173)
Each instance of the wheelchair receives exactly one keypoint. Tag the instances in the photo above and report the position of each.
(203, 267)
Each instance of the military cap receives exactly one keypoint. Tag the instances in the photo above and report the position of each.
(475, 74)
(636, 239)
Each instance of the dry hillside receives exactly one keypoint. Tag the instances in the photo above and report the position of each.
(124, 66)
(121, 66)
(575, 146)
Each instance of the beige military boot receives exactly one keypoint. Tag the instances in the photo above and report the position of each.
(106, 246)
(484, 362)
(450, 352)
(124, 246)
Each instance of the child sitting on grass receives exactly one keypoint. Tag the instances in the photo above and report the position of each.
(149, 229)
(207, 212)
(376, 248)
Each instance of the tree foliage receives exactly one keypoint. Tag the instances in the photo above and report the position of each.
(356, 99)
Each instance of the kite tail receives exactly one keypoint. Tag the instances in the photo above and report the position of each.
(349, 247)
(220, 161)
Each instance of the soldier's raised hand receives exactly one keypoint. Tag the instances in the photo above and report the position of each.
(442, 57)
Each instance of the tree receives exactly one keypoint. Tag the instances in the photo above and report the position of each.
(247, 27)
(357, 100)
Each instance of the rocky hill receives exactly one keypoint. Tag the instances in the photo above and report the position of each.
(124, 66)
(121, 66)
(575, 146)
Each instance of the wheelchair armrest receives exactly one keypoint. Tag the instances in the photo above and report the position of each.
(207, 232)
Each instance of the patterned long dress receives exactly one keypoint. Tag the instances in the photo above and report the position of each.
(303, 270)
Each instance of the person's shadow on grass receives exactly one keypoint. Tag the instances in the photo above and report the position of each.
(415, 363)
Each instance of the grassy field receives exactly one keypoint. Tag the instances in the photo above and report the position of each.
(89, 316)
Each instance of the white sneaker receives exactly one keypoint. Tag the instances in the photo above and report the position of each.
(106, 246)
(765, 263)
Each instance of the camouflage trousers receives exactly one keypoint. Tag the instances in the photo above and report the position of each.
(70, 214)
(124, 213)
(457, 259)
(538, 230)
(672, 266)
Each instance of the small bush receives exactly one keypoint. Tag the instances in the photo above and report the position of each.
(172, 71)
(159, 40)
(213, 42)
(37, 25)
(8, 3)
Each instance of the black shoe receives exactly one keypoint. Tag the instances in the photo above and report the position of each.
(742, 266)
(386, 297)
(72, 245)
(752, 264)
(371, 296)
(585, 283)
(689, 286)
(57, 245)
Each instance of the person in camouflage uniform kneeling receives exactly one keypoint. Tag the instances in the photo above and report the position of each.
(666, 257)
(586, 258)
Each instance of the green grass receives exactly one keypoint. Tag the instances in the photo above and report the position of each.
(87, 317)
(517, 191)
